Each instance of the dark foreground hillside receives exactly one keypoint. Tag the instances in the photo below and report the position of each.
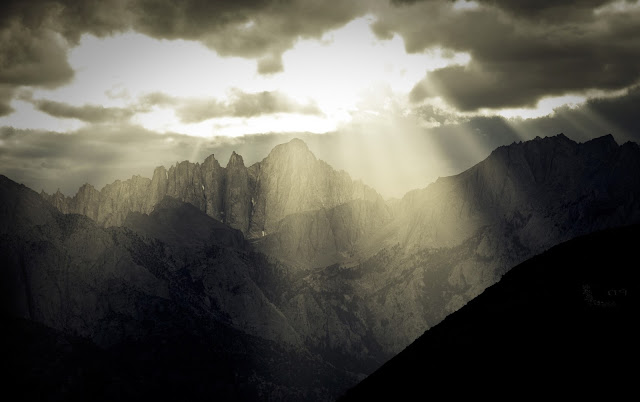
(562, 322)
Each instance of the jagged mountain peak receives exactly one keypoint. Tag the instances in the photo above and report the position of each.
(544, 187)
(88, 187)
(289, 180)
(548, 156)
(557, 137)
(296, 148)
(211, 161)
(296, 143)
(606, 142)
(235, 160)
(538, 142)
(160, 170)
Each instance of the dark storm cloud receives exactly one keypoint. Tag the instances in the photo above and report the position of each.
(521, 50)
(270, 64)
(595, 118)
(277, 26)
(533, 9)
(6, 94)
(239, 104)
(246, 28)
(35, 35)
(32, 56)
(518, 57)
(70, 18)
(188, 110)
(29, 56)
(547, 9)
(87, 113)
(256, 104)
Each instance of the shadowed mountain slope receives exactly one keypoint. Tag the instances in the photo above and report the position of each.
(561, 323)
(145, 310)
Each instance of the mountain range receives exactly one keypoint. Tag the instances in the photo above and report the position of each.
(283, 280)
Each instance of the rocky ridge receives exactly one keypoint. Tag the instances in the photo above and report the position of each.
(254, 199)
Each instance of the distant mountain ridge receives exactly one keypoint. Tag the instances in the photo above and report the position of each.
(254, 199)
(523, 178)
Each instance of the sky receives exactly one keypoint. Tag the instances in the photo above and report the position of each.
(397, 93)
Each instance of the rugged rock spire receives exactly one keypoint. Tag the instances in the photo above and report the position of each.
(289, 180)
(237, 194)
(213, 181)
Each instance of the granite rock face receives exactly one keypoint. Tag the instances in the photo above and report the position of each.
(254, 200)
(291, 180)
(237, 194)
(325, 236)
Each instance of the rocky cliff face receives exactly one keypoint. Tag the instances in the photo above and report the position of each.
(238, 195)
(325, 236)
(292, 180)
(254, 200)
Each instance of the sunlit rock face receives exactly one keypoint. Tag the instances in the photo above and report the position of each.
(325, 236)
(213, 181)
(298, 208)
(308, 214)
(292, 180)
(237, 194)
(255, 199)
